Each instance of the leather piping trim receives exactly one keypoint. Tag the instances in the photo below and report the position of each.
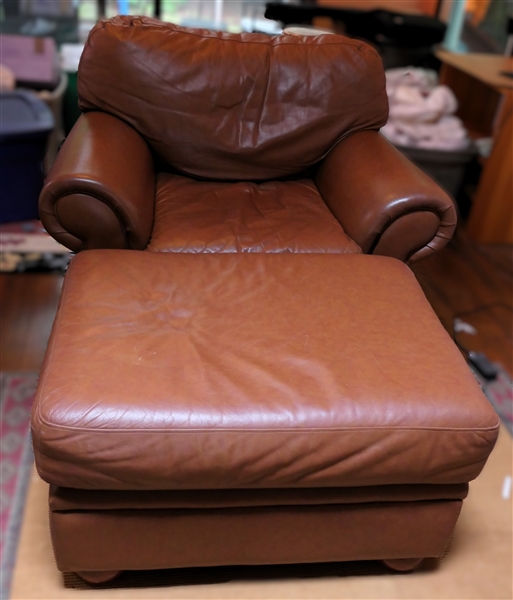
(256, 430)
(263, 430)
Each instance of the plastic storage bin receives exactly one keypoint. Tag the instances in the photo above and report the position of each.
(445, 167)
(33, 60)
(25, 124)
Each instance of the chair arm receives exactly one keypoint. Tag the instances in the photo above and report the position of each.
(100, 192)
(383, 201)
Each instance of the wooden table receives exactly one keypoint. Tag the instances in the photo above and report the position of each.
(484, 67)
(485, 100)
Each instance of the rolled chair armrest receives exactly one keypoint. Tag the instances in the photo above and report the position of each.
(383, 201)
(100, 192)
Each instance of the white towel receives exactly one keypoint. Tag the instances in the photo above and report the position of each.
(422, 112)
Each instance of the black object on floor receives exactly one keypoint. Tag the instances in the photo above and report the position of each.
(402, 39)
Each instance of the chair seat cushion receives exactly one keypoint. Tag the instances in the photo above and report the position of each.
(193, 216)
(253, 371)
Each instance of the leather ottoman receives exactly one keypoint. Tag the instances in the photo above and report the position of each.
(198, 410)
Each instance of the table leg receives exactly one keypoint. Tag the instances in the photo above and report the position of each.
(491, 217)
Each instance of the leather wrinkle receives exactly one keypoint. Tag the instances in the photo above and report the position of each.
(244, 217)
(243, 404)
(265, 98)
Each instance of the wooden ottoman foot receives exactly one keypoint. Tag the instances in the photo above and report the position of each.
(402, 564)
(98, 576)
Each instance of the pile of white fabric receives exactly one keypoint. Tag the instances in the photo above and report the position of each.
(422, 112)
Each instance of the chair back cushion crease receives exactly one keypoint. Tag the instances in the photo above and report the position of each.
(226, 106)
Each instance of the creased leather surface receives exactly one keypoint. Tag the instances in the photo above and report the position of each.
(232, 106)
(253, 370)
(287, 216)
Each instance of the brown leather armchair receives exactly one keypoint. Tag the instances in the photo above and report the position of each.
(246, 408)
(201, 141)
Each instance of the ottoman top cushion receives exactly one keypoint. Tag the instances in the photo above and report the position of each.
(176, 371)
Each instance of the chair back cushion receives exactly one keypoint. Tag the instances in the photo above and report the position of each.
(232, 106)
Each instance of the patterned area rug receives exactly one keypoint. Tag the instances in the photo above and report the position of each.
(499, 392)
(16, 397)
(26, 247)
(16, 461)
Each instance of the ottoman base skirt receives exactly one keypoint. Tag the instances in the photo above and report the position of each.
(161, 539)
